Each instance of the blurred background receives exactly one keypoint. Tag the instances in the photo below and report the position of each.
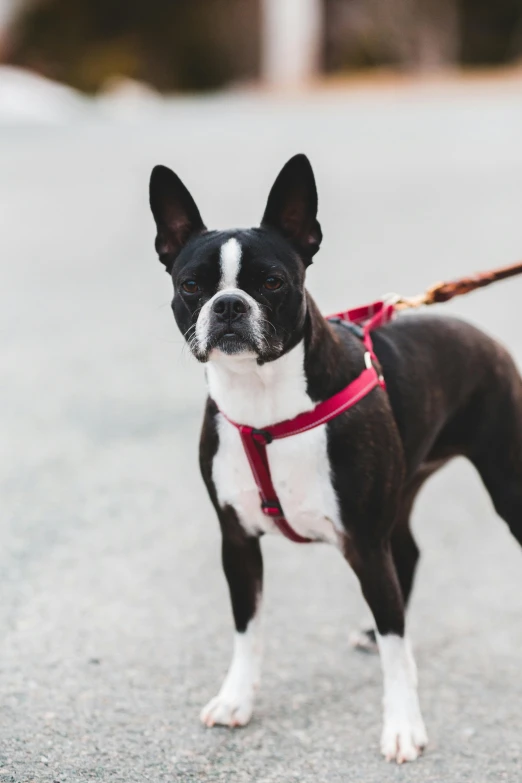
(207, 44)
(115, 626)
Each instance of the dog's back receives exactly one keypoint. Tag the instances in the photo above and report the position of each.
(453, 389)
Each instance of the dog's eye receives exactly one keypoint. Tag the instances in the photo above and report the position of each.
(190, 287)
(273, 283)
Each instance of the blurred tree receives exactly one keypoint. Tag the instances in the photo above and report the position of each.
(171, 44)
(421, 34)
(490, 31)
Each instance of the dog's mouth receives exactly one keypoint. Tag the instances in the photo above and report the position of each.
(232, 343)
(229, 341)
(235, 339)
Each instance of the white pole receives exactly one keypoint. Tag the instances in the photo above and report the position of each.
(291, 41)
(8, 11)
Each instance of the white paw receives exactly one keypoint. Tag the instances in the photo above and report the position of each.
(403, 738)
(234, 704)
(364, 641)
(229, 708)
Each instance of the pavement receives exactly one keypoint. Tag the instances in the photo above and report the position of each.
(114, 617)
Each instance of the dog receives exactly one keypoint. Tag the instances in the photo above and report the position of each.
(241, 303)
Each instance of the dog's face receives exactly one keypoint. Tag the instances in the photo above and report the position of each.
(240, 291)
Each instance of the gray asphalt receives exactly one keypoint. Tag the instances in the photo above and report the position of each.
(115, 623)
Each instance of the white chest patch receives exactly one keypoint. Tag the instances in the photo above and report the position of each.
(260, 396)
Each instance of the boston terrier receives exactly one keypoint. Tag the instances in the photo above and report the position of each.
(241, 303)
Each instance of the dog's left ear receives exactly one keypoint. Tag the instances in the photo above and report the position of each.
(175, 212)
(292, 207)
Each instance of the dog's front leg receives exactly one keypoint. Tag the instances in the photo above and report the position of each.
(243, 566)
(403, 735)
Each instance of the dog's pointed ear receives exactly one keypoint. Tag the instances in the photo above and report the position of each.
(175, 212)
(292, 207)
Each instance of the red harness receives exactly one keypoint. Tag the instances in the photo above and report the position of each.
(255, 440)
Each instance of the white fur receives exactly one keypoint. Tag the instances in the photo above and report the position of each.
(259, 396)
(234, 703)
(403, 734)
(230, 256)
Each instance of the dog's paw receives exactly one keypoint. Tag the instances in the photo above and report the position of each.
(364, 641)
(228, 708)
(403, 739)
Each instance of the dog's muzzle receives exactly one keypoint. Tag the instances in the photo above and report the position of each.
(229, 321)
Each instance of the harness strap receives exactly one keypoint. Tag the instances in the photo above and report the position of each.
(254, 444)
(255, 440)
(372, 315)
(323, 411)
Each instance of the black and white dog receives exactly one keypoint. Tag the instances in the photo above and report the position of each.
(241, 303)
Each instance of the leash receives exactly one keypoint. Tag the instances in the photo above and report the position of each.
(443, 292)
(362, 321)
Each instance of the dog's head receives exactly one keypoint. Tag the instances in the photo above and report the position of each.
(239, 291)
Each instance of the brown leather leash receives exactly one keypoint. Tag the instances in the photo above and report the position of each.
(443, 292)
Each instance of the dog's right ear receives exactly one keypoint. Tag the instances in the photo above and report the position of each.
(175, 212)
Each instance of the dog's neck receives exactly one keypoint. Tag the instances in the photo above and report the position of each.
(261, 395)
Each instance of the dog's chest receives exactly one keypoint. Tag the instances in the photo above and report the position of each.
(299, 464)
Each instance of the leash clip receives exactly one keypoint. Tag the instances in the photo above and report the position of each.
(391, 298)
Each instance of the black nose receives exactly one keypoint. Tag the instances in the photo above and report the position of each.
(230, 307)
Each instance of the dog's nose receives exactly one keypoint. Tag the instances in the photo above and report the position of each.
(230, 307)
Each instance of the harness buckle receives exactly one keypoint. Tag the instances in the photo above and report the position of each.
(271, 508)
(369, 364)
(267, 437)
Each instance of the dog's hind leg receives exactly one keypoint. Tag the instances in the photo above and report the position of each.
(496, 450)
(504, 485)
(502, 477)
(243, 567)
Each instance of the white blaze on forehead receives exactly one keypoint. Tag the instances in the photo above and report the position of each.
(230, 262)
